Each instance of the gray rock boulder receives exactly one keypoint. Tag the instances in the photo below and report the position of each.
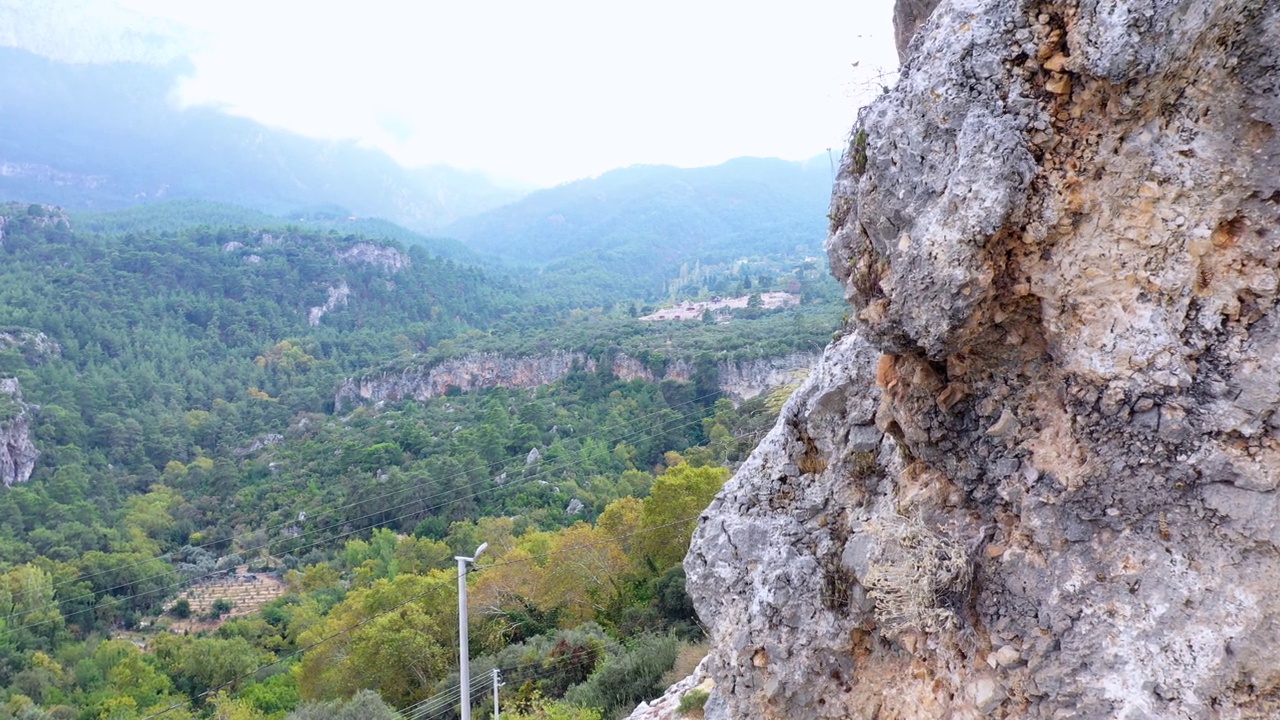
(1038, 479)
(18, 455)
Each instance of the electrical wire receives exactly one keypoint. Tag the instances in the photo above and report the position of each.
(489, 467)
(547, 472)
(431, 704)
(543, 671)
(181, 582)
(582, 546)
(398, 606)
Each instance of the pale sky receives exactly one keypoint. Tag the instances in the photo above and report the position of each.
(542, 91)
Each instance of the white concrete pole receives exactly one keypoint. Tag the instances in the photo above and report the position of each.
(495, 694)
(464, 653)
(464, 665)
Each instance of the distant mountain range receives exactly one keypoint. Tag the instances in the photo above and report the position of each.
(96, 137)
(663, 214)
(633, 230)
(104, 136)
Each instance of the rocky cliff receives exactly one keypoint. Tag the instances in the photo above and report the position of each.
(1038, 477)
(16, 214)
(387, 258)
(739, 380)
(34, 345)
(339, 294)
(18, 454)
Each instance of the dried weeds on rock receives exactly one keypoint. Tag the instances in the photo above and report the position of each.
(913, 572)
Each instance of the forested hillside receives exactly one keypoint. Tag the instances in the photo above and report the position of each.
(628, 233)
(634, 228)
(178, 215)
(203, 535)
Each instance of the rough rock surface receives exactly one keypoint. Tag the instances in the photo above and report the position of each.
(18, 454)
(339, 294)
(35, 346)
(748, 378)
(908, 16)
(666, 706)
(739, 380)
(1038, 476)
(17, 214)
(381, 256)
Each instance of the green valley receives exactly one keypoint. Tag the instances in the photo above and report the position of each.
(204, 525)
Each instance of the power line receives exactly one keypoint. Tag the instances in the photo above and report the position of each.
(398, 606)
(489, 467)
(546, 472)
(530, 558)
(182, 582)
(584, 546)
(543, 670)
(297, 652)
(434, 702)
(445, 698)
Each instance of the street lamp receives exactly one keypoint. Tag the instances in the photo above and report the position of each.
(464, 654)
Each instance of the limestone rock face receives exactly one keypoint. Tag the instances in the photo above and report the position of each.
(740, 380)
(908, 16)
(339, 294)
(18, 454)
(749, 378)
(17, 215)
(466, 374)
(35, 346)
(387, 258)
(1038, 477)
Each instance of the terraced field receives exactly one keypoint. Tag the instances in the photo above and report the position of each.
(247, 591)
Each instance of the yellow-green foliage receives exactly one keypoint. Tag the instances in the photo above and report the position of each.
(858, 151)
(543, 709)
(399, 653)
(778, 397)
(677, 497)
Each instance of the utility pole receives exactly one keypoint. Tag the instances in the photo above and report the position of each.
(496, 685)
(464, 653)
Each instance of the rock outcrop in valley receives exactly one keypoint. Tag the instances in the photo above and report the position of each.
(18, 454)
(739, 380)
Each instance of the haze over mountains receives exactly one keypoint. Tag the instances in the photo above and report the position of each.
(106, 136)
(109, 136)
(744, 206)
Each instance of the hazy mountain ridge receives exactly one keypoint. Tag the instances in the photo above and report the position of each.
(179, 215)
(108, 136)
(92, 31)
(739, 207)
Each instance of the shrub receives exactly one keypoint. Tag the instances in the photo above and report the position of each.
(364, 705)
(621, 682)
(692, 702)
(220, 607)
(686, 663)
(542, 709)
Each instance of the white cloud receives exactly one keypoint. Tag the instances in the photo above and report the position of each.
(543, 91)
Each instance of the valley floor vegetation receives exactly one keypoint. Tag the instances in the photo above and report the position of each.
(182, 405)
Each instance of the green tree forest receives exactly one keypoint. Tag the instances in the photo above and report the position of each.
(180, 378)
